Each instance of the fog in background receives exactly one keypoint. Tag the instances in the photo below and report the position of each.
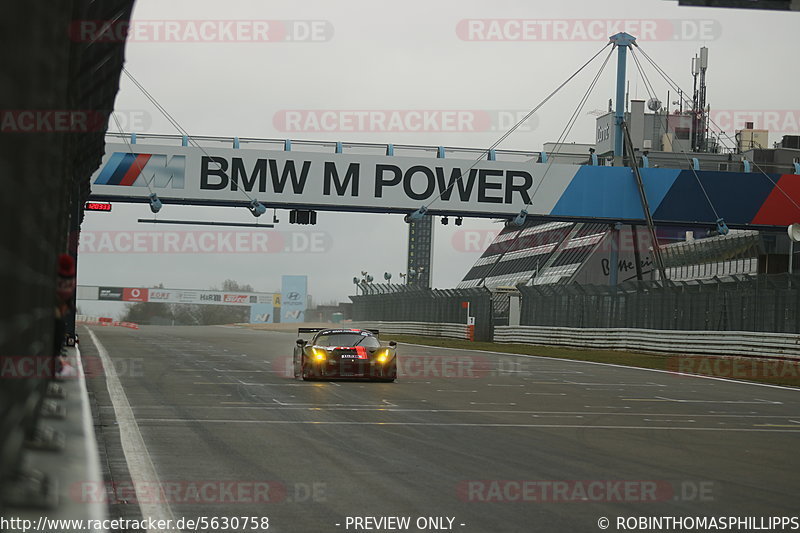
(388, 56)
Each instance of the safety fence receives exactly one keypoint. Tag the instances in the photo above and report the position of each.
(729, 343)
(739, 315)
(425, 329)
(401, 303)
(766, 303)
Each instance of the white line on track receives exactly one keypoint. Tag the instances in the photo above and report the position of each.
(314, 405)
(758, 402)
(140, 465)
(461, 424)
(245, 371)
(386, 409)
(96, 512)
(542, 358)
(614, 384)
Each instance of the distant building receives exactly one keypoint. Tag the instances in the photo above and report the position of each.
(580, 252)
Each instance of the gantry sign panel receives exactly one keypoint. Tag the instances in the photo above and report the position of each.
(374, 183)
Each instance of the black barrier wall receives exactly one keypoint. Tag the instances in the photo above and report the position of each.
(383, 302)
(767, 303)
(56, 93)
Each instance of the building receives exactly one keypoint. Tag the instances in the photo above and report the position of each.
(540, 253)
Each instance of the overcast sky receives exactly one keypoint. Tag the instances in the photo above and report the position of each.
(414, 55)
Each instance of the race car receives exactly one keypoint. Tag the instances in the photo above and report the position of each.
(344, 354)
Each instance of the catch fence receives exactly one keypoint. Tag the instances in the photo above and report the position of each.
(403, 303)
(765, 303)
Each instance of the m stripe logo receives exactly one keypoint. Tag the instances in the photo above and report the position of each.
(138, 170)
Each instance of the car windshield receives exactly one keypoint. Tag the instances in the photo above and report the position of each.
(347, 339)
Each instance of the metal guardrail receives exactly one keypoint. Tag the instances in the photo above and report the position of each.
(426, 329)
(732, 343)
(433, 306)
(739, 343)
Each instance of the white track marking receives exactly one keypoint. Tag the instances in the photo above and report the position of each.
(543, 358)
(315, 405)
(460, 424)
(140, 465)
(615, 384)
(386, 409)
(96, 512)
(758, 402)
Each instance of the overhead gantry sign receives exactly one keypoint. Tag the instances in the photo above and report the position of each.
(458, 187)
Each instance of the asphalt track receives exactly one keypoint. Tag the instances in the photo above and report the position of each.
(461, 427)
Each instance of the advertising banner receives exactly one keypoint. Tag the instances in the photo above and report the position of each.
(469, 187)
(261, 314)
(175, 296)
(294, 295)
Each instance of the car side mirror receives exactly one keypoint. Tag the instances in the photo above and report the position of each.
(301, 342)
(392, 344)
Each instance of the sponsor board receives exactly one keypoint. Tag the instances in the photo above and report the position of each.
(262, 313)
(478, 187)
(177, 296)
(294, 296)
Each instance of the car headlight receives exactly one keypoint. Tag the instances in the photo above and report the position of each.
(319, 355)
(383, 356)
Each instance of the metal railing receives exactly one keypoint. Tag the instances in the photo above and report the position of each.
(765, 303)
(739, 343)
(425, 329)
(327, 145)
(403, 303)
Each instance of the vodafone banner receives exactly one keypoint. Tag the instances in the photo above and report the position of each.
(174, 296)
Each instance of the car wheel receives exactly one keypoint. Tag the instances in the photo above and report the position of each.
(391, 374)
(305, 371)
